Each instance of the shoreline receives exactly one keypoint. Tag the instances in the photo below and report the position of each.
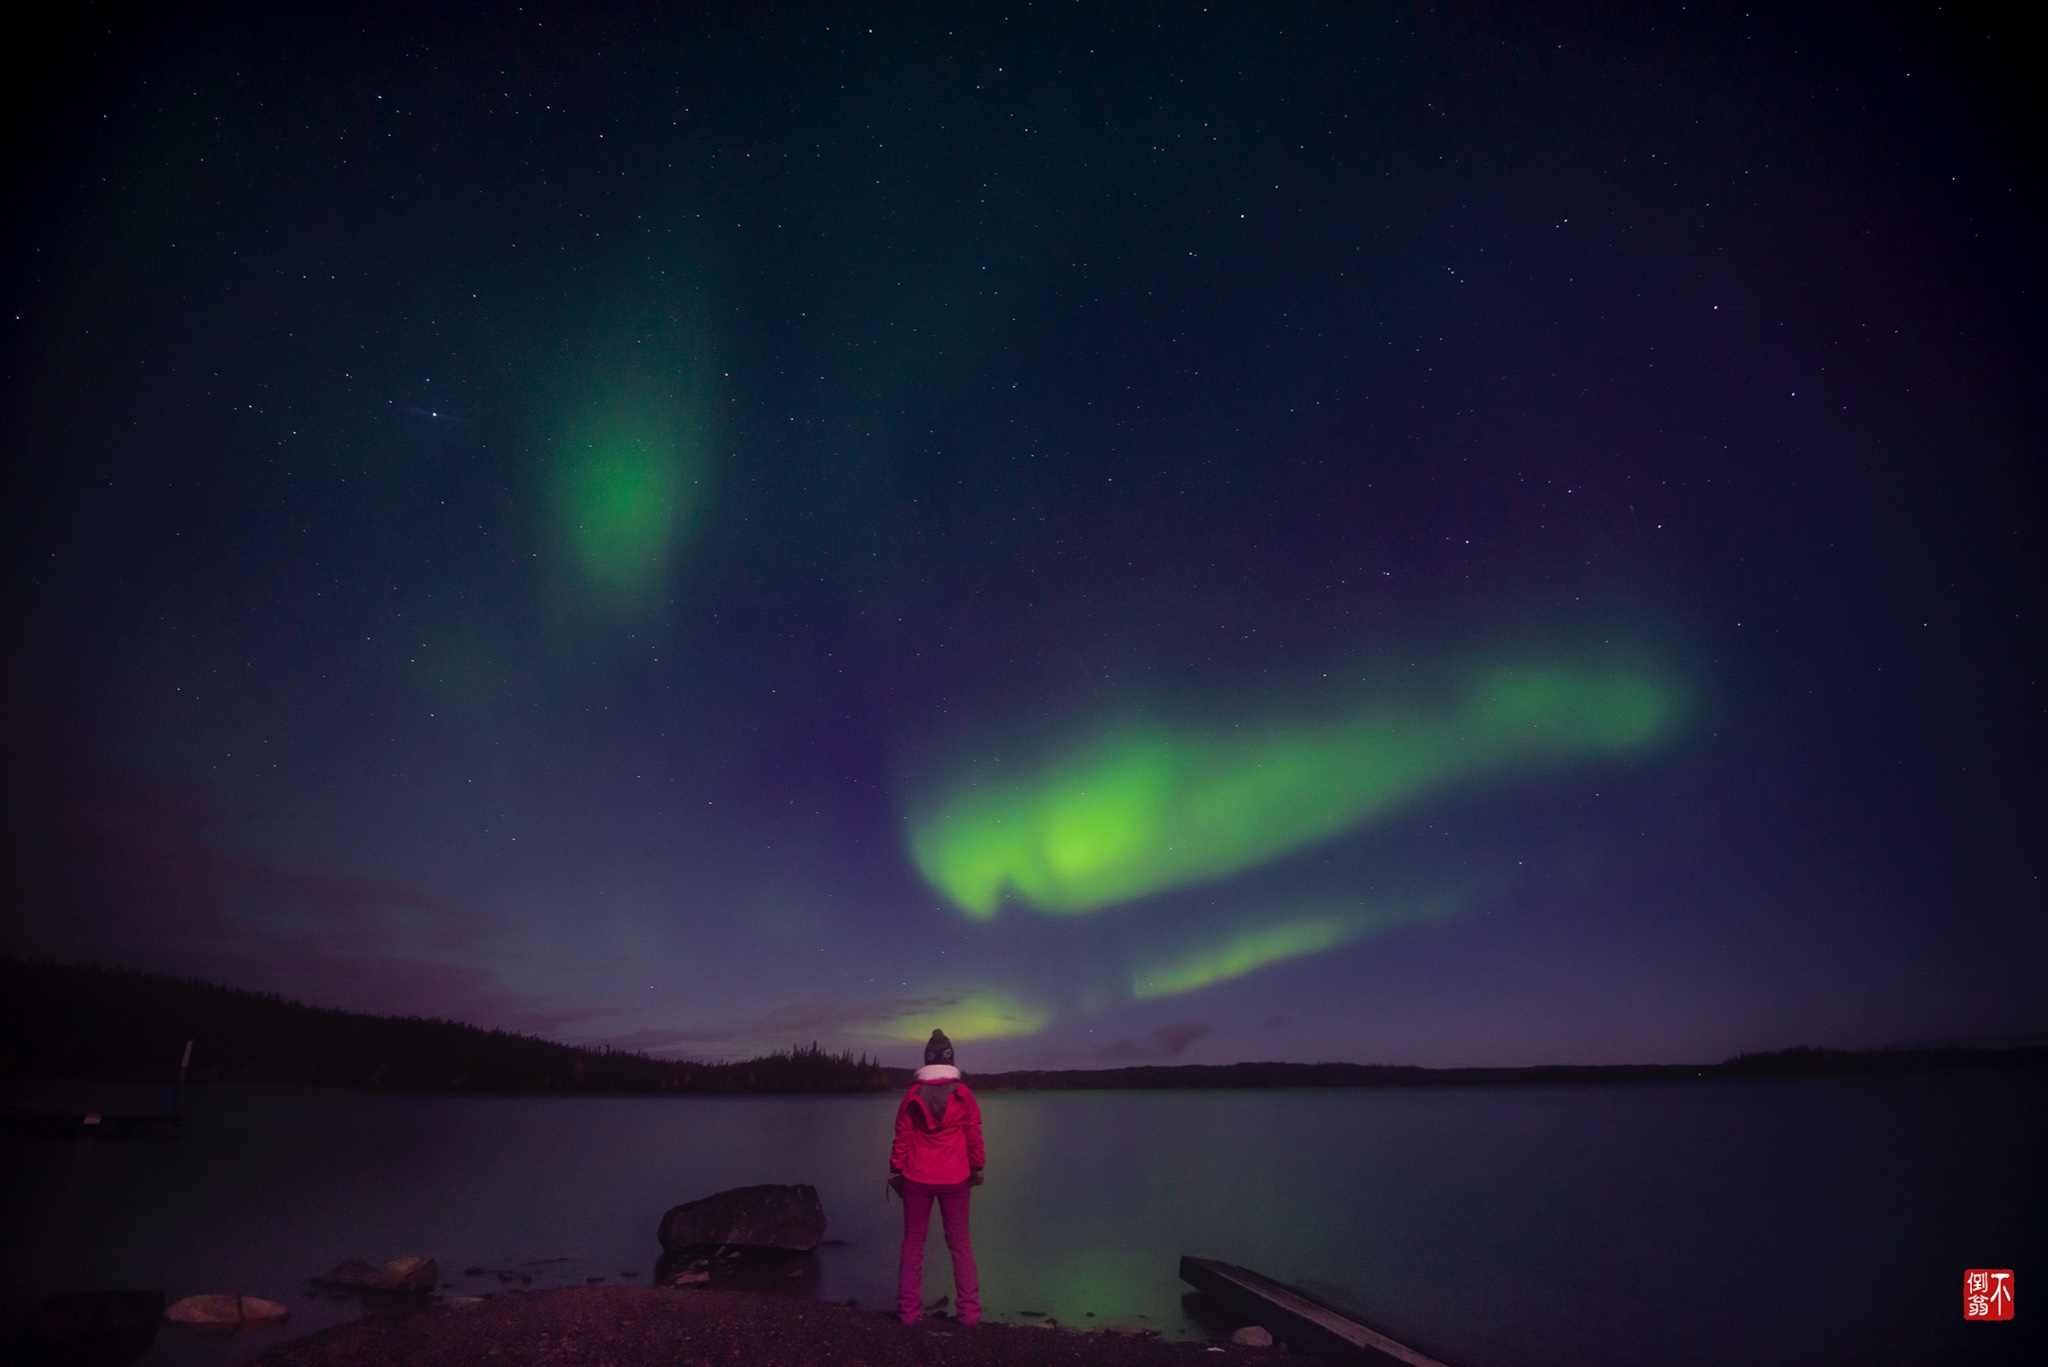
(22, 1095)
(622, 1326)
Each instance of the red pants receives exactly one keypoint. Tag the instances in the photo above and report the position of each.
(917, 1221)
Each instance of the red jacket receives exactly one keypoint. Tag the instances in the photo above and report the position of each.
(938, 1134)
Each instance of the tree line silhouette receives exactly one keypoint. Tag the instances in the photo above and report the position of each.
(71, 1022)
(62, 1021)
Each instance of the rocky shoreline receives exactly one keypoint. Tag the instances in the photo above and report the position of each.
(617, 1326)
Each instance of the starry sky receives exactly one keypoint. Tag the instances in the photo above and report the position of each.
(1451, 535)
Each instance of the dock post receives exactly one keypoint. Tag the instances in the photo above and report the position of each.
(173, 1095)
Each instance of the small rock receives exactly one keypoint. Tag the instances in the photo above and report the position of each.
(1253, 1336)
(225, 1311)
(413, 1274)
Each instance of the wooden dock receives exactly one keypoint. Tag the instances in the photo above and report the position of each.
(68, 1122)
(75, 1124)
(1296, 1318)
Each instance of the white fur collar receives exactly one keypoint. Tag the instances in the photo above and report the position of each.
(938, 1072)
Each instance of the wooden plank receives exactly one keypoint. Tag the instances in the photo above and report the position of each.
(1296, 1318)
(107, 1124)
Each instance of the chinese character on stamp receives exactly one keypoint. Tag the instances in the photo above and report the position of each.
(1987, 1293)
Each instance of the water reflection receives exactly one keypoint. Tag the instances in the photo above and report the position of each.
(89, 1329)
(1773, 1222)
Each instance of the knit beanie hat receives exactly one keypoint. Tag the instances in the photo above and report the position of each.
(938, 1049)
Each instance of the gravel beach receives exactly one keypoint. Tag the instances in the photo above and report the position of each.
(640, 1327)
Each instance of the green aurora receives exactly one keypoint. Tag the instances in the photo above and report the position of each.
(1146, 808)
(626, 489)
(1254, 947)
(972, 1016)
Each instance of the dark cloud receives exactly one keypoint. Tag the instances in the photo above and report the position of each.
(1166, 1042)
(112, 863)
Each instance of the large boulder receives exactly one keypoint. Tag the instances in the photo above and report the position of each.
(400, 1274)
(89, 1329)
(788, 1219)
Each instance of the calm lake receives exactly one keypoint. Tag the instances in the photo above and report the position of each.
(1764, 1222)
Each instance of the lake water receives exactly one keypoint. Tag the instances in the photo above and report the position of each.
(1811, 1221)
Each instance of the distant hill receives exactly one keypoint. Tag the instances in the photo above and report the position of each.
(60, 1021)
(66, 1022)
(1796, 1062)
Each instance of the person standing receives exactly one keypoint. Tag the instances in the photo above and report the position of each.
(937, 1156)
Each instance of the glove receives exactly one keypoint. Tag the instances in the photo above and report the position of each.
(974, 1178)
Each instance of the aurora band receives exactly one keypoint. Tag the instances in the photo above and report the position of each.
(1148, 808)
(969, 1016)
(1249, 948)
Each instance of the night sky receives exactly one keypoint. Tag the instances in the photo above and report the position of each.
(1405, 534)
